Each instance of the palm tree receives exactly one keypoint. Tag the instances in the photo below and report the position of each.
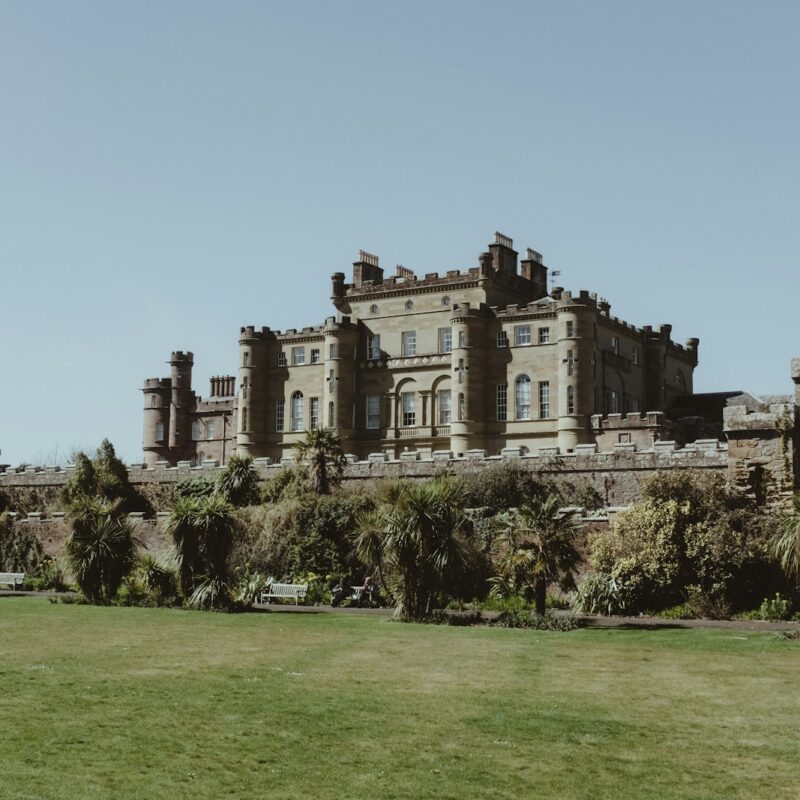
(420, 539)
(202, 530)
(537, 548)
(322, 450)
(101, 549)
(785, 545)
(238, 483)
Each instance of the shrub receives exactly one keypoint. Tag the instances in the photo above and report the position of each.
(20, 550)
(599, 594)
(538, 622)
(238, 482)
(775, 609)
(195, 487)
(687, 540)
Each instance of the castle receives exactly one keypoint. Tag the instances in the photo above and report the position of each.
(483, 359)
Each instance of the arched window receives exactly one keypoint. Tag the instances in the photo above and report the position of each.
(522, 397)
(297, 411)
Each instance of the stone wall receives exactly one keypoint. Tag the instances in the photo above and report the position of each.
(616, 474)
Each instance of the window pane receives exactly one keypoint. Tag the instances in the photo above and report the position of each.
(522, 334)
(279, 413)
(409, 403)
(315, 356)
(298, 355)
(445, 340)
(445, 411)
(314, 413)
(544, 400)
(297, 411)
(409, 343)
(502, 401)
(523, 397)
(373, 411)
(544, 335)
(373, 346)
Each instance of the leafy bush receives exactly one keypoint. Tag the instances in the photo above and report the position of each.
(52, 574)
(20, 550)
(285, 484)
(538, 622)
(687, 540)
(103, 478)
(238, 482)
(159, 579)
(195, 487)
(502, 486)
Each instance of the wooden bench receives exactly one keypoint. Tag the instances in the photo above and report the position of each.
(282, 591)
(12, 579)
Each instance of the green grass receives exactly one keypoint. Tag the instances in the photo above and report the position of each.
(136, 703)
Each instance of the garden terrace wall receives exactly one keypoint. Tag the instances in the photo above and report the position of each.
(616, 475)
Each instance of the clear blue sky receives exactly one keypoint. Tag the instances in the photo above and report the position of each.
(170, 171)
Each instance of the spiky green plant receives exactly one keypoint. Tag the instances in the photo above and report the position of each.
(202, 529)
(535, 548)
(101, 549)
(238, 482)
(785, 545)
(419, 539)
(321, 451)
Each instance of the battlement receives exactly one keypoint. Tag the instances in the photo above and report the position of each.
(179, 357)
(153, 384)
(650, 419)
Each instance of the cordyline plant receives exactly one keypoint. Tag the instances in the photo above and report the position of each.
(419, 539)
(535, 548)
(321, 452)
(101, 548)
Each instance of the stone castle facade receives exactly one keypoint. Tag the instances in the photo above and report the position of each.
(483, 359)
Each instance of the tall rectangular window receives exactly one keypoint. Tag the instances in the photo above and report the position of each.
(522, 397)
(409, 404)
(544, 335)
(313, 413)
(570, 329)
(245, 358)
(315, 355)
(445, 408)
(633, 405)
(373, 412)
(244, 419)
(408, 341)
(445, 340)
(244, 388)
(522, 335)
(615, 344)
(502, 339)
(570, 363)
(298, 355)
(544, 399)
(196, 430)
(570, 399)
(210, 429)
(280, 409)
(330, 414)
(612, 402)
(159, 431)
(333, 350)
(281, 359)
(502, 401)
(373, 346)
(462, 338)
(636, 354)
(296, 410)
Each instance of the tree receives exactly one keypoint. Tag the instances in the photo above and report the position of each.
(238, 482)
(101, 549)
(421, 540)
(321, 450)
(202, 529)
(536, 547)
(785, 544)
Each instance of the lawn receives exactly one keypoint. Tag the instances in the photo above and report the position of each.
(136, 703)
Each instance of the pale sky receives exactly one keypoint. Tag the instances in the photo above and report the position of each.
(170, 171)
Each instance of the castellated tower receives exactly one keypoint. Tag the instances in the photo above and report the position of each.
(168, 403)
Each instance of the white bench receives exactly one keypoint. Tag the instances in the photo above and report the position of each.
(281, 591)
(12, 578)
